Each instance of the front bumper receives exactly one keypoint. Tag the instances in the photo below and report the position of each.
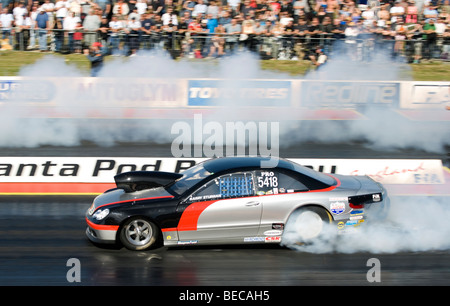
(101, 233)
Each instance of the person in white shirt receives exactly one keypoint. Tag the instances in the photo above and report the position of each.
(351, 33)
(61, 8)
(134, 14)
(235, 5)
(116, 26)
(23, 25)
(213, 9)
(199, 8)
(69, 25)
(20, 10)
(6, 20)
(34, 12)
(75, 7)
(121, 8)
(133, 27)
(396, 11)
(141, 6)
(48, 7)
(169, 17)
(440, 26)
(369, 16)
(70, 21)
(285, 19)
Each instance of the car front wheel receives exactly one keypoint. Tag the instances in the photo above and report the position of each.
(138, 234)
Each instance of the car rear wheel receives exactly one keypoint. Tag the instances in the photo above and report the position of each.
(138, 234)
(306, 225)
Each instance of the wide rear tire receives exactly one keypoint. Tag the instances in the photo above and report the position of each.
(306, 225)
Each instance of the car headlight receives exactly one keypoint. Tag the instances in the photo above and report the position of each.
(101, 213)
(91, 209)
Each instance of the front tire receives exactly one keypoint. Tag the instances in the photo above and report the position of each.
(138, 234)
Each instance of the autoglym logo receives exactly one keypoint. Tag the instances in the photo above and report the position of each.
(216, 139)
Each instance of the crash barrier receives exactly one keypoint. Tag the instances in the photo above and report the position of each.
(200, 45)
(94, 175)
(103, 97)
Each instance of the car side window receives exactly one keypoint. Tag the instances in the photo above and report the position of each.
(275, 182)
(226, 186)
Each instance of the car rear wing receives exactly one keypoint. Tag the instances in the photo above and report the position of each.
(140, 180)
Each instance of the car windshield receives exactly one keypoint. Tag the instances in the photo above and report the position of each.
(190, 177)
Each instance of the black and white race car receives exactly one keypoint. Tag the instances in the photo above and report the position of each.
(230, 200)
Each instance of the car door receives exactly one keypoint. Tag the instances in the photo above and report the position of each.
(279, 193)
(222, 209)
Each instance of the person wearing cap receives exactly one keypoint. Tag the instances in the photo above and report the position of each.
(95, 55)
(319, 58)
(42, 25)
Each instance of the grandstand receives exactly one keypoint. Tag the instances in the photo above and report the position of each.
(284, 29)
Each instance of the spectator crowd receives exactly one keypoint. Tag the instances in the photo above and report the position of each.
(274, 29)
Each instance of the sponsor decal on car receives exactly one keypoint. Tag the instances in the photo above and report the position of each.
(273, 239)
(357, 212)
(188, 242)
(253, 239)
(337, 208)
(273, 233)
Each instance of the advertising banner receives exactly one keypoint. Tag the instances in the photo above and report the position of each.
(81, 92)
(426, 95)
(169, 98)
(93, 175)
(239, 92)
(349, 93)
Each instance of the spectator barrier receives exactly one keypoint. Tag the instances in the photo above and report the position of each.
(201, 45)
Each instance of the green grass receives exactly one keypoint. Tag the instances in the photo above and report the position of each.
(432, 71)
(11, 62)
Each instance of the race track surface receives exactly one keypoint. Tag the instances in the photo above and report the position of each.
(39, 236)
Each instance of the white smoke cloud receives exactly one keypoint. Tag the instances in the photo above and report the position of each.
(382, 128)
(414, 224)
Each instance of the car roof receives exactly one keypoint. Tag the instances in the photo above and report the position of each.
(221, 164)
(232, 163)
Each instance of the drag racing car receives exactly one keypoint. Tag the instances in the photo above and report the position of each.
(229, 200)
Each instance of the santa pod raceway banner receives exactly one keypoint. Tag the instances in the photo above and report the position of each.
(94, 175)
